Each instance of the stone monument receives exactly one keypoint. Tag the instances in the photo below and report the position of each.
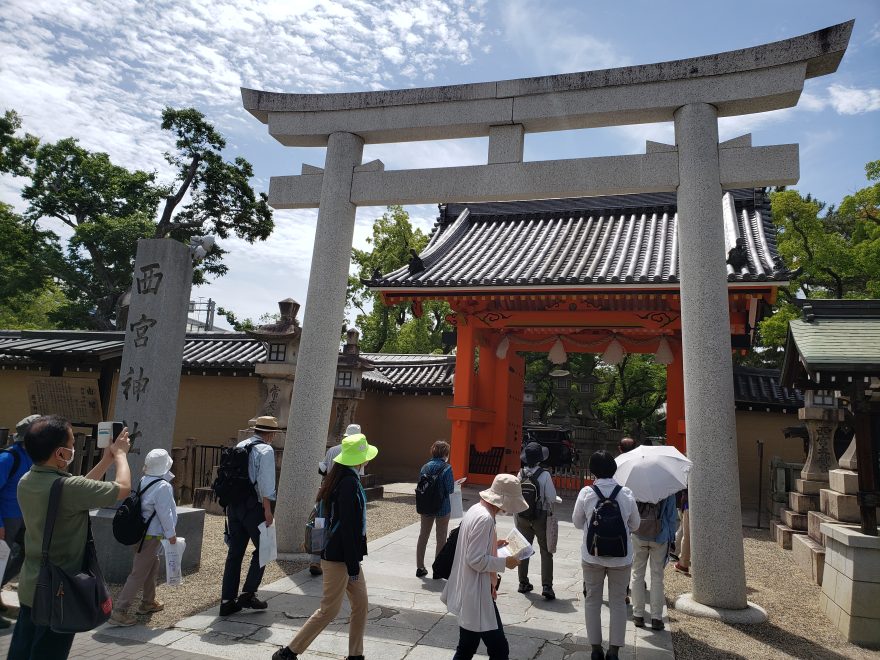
(149, 381)
(693, 93)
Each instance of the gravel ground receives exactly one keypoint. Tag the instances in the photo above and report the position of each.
(201, 590)
(797, 628)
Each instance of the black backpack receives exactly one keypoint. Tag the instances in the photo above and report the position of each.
(531, 493)
(429, 493)
(233, 484)
(607, 535)
(442, 565)
(129, 526)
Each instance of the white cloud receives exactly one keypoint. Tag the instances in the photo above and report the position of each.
(555, 41)
(842, 99)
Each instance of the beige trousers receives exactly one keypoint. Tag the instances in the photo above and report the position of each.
(684, 552)
(594, 583)
(142, 576)
(441, 525)
(336, 584)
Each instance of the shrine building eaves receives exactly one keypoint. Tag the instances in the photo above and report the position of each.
(744, 81)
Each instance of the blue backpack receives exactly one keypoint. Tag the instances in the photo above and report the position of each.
(607, 535)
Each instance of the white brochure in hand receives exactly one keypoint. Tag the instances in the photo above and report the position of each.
(268, 544)
(174, 561)
(517, 546)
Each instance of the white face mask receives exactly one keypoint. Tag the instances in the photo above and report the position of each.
(68, 461)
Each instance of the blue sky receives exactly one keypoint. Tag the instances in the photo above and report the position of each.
(102, 70)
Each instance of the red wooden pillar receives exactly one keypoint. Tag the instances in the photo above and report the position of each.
(464, 394)
(675, 435)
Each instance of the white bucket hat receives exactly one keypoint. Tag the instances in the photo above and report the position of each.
(505, 493)
(157, 463)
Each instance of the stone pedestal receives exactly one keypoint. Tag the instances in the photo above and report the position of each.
(844, 481)
(810, 556)
(821, 424)
(851, 586)
(839, 506)
(116, 559)
(849, 461)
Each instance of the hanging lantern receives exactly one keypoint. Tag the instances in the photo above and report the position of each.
(557, 354)
(614, 353)
(664, 352)
(501, 351)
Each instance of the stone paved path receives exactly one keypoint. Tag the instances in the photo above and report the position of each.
(406, 617)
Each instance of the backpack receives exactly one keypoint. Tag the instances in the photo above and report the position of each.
(233, 484)
(531, 493)
(16, 460)
(316, 538)
(650, 526)
(442, 565)
(429, 493)
(129, 526)
(607, 534)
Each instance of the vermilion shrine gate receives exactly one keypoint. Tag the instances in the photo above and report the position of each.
(585, 272)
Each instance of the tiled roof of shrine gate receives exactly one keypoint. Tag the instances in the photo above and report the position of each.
(621, 240)
(423, 374)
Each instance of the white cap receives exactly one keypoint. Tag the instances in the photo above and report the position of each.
(352, 429)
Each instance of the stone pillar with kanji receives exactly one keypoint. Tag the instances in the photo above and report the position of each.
(155, 332)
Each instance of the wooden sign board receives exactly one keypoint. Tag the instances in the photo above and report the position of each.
(77, 399)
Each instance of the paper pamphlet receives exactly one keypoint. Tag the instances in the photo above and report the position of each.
(268, 543)
(4, 556)
(174, 561)
(458, 482)
(517, 546)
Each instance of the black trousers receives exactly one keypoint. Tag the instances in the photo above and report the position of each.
(495, 641)
(243, 521)
(32, 642)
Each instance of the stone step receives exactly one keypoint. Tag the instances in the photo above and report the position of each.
(809, 486)
(777, 508)
(368, 480)
(783, 535)
(814, 520)
(843, 481)
(375, 493)
(802, 503)
(810, 556)
(795, 520)
(844, 508)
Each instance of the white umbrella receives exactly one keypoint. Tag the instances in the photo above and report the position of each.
(653, 472)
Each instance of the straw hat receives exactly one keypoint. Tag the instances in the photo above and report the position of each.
(157, 463)
(22, 427)
(505, 493)
(266, 423)
(356, 450)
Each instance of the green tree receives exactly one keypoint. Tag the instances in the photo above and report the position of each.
(16, 152)
(631, 393)
(109, 207)
(399, 328)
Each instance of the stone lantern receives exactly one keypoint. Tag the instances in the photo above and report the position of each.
(530, 404)
(277, 372)
(562, 393)
(821, 415)
(348, 391)
(586, 392)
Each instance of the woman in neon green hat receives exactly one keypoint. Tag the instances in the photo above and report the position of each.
(345, 547)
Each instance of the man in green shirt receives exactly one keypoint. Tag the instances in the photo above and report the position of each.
(49, 442)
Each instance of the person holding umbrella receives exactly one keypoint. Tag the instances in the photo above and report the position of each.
(654, 474)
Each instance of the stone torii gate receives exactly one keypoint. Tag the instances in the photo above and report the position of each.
(693, 93)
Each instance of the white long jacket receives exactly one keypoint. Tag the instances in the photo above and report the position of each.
(468, 592)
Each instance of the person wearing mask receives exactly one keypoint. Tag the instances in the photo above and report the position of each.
(536, 525)
(244, 518)
(470, 592)
(598, 567)
(323, 467)
(49, 443)
(159, 511)
(344, 498)
(439, 468)
(651, 543)
(14, 463)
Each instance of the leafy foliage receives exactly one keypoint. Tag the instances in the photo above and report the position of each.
(108, 208)
(631, 393)
(395, 329)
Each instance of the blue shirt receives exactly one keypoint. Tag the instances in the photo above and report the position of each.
(447, 482)
(9, 482)
(261, 467)
(668, 521)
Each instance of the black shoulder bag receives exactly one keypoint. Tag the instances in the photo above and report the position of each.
(63, 602)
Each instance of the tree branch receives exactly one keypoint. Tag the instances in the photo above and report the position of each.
(165, 225)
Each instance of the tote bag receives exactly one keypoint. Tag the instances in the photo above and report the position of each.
(69, 603)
